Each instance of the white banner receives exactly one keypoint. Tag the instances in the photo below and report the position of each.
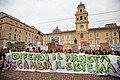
(65, 63)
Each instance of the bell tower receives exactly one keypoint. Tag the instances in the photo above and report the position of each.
(81, 18)
(81, 22)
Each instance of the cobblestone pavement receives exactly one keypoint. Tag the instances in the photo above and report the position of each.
(23, 75)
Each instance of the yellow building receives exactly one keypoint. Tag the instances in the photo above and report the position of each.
(13, 30)
(84, 35)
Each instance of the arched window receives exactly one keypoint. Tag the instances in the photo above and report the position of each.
(97, 35)
(81, 35)
(90, 35)
(106, 34)
(9, 36)
(80, 10)
(81, 18)
(0, 35)
(77, 19)
(115, 33)
(19, 37)
(15, 37)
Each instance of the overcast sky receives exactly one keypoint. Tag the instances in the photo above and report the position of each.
(36, 12)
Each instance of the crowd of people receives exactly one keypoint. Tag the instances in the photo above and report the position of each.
(57, 50)
(77, 51)
(65, 51)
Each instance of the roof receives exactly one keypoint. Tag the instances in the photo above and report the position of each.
(104, 28)
(62, 32)
(15, 19)
(90, 29)
(56, 30)
(81, 5)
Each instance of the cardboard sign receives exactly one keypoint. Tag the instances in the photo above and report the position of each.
(105, 46)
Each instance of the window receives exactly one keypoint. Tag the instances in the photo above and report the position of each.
(97, 41)
(81, 35)
(19, 37)
(80, 10)
(35, 41)
(67, 36)
(49, 38)
(107, 34)
(90, 42)
(26, 33)
(77, 19)
(9, 37)
(32, 40)
(0, 28)
(0, 35)
(15, 30)
(97, 34)
(26, 39)
(29, 40)
(32, 35)
(81, 18)
(85, 18)
(10, 28)
(11, 21)
(14, 36)
(115, 33)
(90, 35)
(115, 41)
(19, 31)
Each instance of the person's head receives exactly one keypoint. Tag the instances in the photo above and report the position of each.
(77, 51)
(65, 51)
(113, 52)
(86, 52)
(27, 50)
(39, 49)
(33, 48)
